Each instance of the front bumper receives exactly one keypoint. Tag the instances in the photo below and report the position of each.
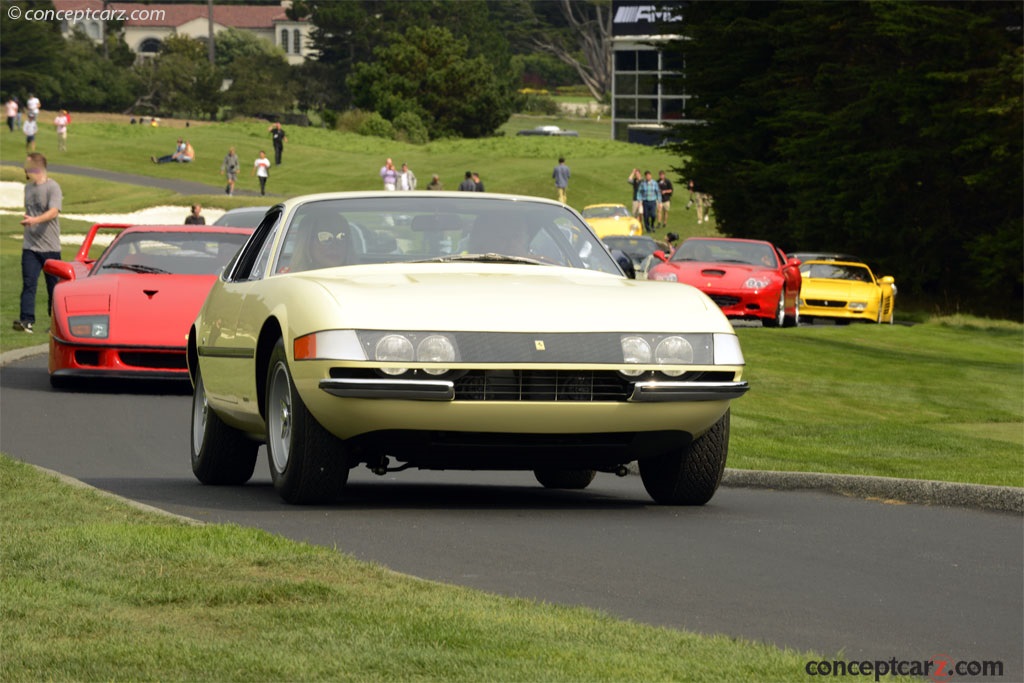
(69, 359)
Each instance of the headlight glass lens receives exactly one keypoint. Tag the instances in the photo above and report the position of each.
(755, 283)
(394, 348)
(635, 350)
(673, 351)
(435, 349)
(89, 326)
(857, 306)
(664, 277)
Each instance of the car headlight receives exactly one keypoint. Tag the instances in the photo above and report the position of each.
(857, 305)
(664, 277)
(435, 348)
(756, 283)
(635, 350)
(89, 326)
(393, 348)
(673, 351)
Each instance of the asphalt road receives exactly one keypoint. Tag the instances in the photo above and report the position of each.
(803, 570)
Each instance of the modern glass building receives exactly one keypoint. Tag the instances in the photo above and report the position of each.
(648, 85)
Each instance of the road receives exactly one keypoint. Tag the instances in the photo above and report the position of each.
(803, 570)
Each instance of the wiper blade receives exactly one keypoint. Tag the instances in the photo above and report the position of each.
(482, 258)
(137, 268)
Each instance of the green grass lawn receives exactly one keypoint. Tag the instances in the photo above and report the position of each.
(91, 589)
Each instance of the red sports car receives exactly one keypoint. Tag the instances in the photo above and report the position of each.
(127, 314)
(748, 279)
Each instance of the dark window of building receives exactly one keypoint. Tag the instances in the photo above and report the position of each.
(647, 60)
(150, 45)
(296, 41)
(672, 107)
(647, 108)
(625, 60)
(672, 60)
(284, 39)
(625, 84)
(647, 84)
(625, 108)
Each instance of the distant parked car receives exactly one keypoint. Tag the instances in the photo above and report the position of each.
(127, 314)
(548, 130)
(245, 217)
(845, 291)
(477, 335)
(748, 279)
(611, 219)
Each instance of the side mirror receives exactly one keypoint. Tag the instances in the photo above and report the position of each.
(660, 255)
(887, 280)
(59, 269)
(795, 262)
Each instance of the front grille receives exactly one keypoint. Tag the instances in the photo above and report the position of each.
(724, 301)
(83, 357)
(821, 303)
(541, 385)
(156, 361)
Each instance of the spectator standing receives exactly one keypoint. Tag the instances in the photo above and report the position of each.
(561, 175)
(634, 179)
(30, 128)
(278, 137)
(468, 185)
(32, 105)
(41, 241)
(230, 168)
(261, 169)
(478, 185)
(11, 112)
(195, 217)
(435, 183)
(649, 195)
(698, 197)
(389, 175)
(665, 185)
(406, 179)
(61, 123)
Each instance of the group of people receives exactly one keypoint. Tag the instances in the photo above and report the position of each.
(652, 199)
(30, 125)
(404, 180)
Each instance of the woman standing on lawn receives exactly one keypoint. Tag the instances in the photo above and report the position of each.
(261, 169)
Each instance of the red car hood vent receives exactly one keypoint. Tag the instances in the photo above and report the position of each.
(713, 272)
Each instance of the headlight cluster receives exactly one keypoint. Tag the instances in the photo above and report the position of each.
(664, 277)
(756, 283)
(637, 349)
(89, 326)
(404, 347)
(857, 306)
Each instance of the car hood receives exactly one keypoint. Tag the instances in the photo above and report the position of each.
(511, 298)
(720, 275)
(617, 225)
(841, 290)
(144, 310)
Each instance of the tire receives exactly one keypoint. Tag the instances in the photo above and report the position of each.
(780, 313)
(881, 306)
(221, 454)
(564, 479)
(691, 475)
(794, 321)
(308, 464)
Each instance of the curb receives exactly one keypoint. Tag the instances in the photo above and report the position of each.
(888, 489)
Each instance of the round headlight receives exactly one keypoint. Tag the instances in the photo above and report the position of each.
(435, 349)
(673, 351)
(393, 348)
(635, 350)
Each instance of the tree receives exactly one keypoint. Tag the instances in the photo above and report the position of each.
(180, 79)
(888, 130)
(90, 82)
(428, 72)
(30, 51)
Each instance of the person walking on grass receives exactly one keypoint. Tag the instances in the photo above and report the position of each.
(649, 195)
(230, 168)
(41, 240)
(30, 128)
(561, 175)
(61, 124)
(261, 169)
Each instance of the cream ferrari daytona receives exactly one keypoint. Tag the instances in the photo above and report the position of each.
(454, 330)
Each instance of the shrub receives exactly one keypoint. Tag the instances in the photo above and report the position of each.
(532, 102)
(410, 128)
(377, 126)
(351, 121)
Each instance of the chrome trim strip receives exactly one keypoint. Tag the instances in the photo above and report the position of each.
(688, 391)
(226, 352)
(410, 389)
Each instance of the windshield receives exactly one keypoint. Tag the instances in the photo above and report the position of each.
(833, 271)
(184, 253)
(242, 218)
(360, 230)
(727, 251)
(605, 212)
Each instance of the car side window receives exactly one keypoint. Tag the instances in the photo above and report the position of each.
(251, 262)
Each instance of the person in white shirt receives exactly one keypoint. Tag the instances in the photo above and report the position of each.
(11, 112)
(406, 179)
(32, 105)
(61, 122)
(261, 169)
(30, 128)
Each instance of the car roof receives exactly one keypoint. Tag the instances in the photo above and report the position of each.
(731, 239)
(187, 228)
(420, 194)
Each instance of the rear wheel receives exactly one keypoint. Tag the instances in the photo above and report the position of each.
(221, 454)
(690, 475)
(564, 479)
(308, 464)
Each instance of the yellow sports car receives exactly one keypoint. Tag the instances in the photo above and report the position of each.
(845, 291)
(453, 330)
(611, 219)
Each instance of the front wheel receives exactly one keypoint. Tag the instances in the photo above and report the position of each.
(221, 454)
(691, 475)
(564, 479)
(308, 464)
(780, 312)
(795, 320)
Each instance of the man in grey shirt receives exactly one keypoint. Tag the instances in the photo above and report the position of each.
(561, 176)
(43, 200)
